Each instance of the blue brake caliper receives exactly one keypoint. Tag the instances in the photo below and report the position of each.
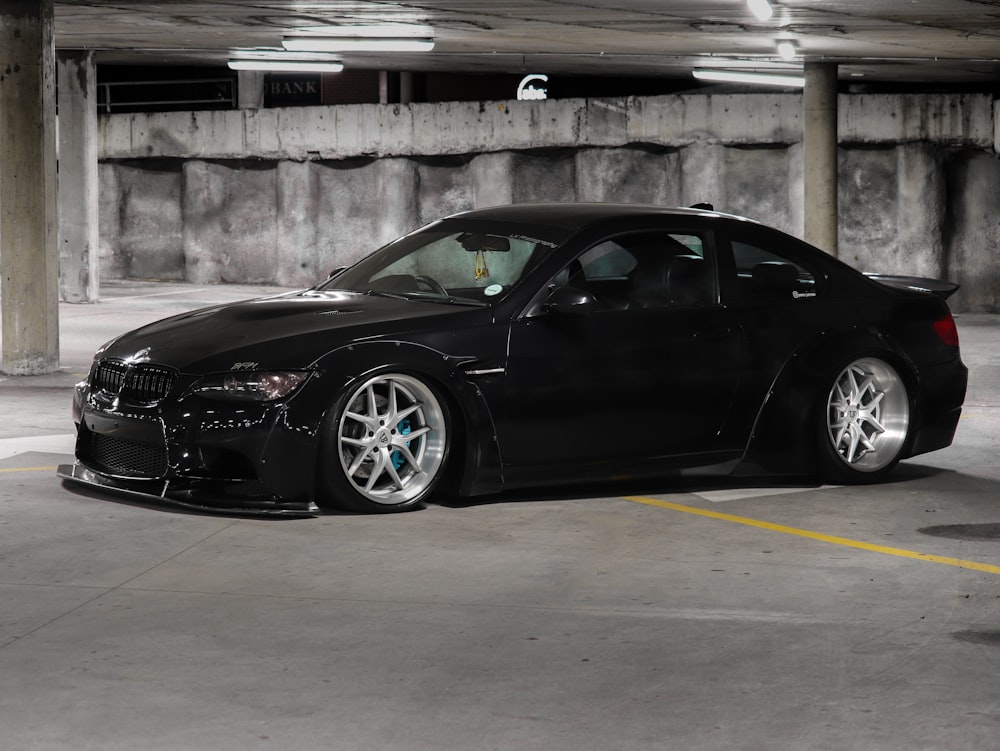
(404, 428)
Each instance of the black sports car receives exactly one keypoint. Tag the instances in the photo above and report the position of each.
(523, 346)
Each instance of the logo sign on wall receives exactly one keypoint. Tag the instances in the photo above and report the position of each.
(528, 91)
(289, 90)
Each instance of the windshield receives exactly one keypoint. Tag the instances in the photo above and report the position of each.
(447, 261)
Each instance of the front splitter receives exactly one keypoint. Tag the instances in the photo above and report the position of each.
(160, 491)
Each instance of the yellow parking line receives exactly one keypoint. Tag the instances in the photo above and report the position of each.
(844, 541)
(30, 469)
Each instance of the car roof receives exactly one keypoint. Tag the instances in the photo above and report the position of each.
(574, 214)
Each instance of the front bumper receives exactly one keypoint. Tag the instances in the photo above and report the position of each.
(201, 454)
(199, 497)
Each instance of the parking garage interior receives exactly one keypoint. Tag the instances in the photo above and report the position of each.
(695, 614)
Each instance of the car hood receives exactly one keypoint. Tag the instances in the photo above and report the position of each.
(287, 331)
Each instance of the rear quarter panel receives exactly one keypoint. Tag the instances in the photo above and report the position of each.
(894, 325)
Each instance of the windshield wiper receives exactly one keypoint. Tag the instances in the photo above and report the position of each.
(420, 297)
(381, 293)
(454, 301)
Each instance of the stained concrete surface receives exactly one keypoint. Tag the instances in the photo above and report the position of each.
(554, 620)
(281, 196)
(919, 208)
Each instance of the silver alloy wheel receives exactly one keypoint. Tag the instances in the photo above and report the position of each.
(391, 439)
(868, 415)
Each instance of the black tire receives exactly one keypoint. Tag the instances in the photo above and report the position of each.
(385, 445)
(863, 421)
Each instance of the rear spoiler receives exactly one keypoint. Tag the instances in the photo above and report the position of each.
(937, 287)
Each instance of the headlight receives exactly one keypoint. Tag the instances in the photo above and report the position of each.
(255, 386)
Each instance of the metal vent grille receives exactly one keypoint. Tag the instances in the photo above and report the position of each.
(130, 458)
(110, 376)
(143, 384)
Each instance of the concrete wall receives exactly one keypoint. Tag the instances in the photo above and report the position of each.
(282, 196)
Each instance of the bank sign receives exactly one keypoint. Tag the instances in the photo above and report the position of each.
(292, 90)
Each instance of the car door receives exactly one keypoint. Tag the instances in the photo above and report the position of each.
(781, 298)
(646, 378)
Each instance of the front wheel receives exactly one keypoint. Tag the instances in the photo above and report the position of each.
(865, 422)
(385, 444)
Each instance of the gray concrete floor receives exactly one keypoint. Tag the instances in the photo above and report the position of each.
(539, 621)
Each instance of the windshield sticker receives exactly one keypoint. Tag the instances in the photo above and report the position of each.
(493, 289)
(534, 240)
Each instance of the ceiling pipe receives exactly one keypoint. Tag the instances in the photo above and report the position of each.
(356, 44)
(796, 81)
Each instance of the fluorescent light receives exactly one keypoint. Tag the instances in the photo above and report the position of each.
(736, 76)
(761, 8)
(288, 66)
(356, 44)
(787, 50)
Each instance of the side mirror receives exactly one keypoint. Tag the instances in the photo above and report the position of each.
(335, 272)
(570, 300)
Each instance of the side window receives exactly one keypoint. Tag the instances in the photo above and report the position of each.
(764, 275)
(644, 270)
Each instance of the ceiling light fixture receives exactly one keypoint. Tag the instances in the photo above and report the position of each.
(764, 79)
(277, 65)
(787, 50)
(356, 44)
(761, 8)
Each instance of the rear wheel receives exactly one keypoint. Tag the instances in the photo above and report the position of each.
(865, 422)
(385, 444)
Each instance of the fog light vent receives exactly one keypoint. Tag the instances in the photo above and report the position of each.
(128, 458)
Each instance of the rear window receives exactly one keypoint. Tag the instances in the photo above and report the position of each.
(762, 274)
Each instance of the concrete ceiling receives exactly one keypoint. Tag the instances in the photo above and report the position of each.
(937, 42)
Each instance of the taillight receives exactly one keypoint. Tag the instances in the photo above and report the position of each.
(946, 330)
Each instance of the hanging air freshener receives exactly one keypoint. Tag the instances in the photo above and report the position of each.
(481, 271)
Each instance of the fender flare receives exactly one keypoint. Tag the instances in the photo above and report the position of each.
(781, 441)
(474, 464)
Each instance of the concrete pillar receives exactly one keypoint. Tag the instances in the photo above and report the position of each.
(250, 89)
(405, 87)
(383, 87)
(819, 140)
(79, 239)
(29, 249)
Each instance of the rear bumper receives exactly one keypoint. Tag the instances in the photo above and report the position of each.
(937, 433)
(942, 395)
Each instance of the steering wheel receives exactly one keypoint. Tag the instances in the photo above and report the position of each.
(432, 283)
